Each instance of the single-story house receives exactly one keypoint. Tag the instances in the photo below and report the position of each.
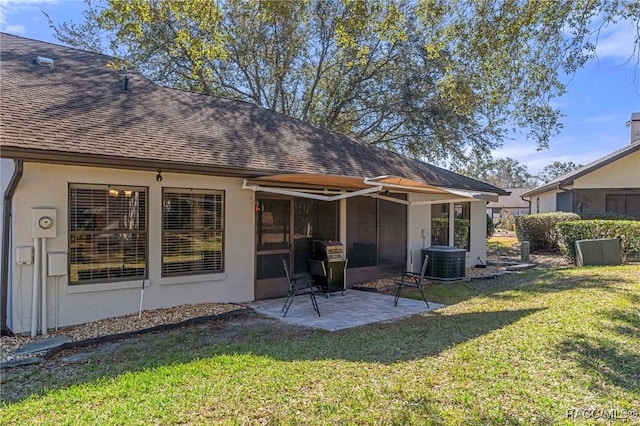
(110, 179)
(610, 184)
(512, 204)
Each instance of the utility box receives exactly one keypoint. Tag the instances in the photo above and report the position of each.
(57, 264)
(445, 263)
(598, 252)
(43, 222)
(24, 255)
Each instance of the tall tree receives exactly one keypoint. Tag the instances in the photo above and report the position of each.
(501, 172)
(437, 79)
(557, 169)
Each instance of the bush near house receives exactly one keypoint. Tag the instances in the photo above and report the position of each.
(490, 227)
(540, 229)
(508, 222)
(605, 216)
(627, 231)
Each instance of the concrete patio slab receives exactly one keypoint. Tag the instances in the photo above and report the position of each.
(338, 312)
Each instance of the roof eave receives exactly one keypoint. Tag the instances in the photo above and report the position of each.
(93, 160)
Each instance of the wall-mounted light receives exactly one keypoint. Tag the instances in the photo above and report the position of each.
(159, 176)
(114, 192)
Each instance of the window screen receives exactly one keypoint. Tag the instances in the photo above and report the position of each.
(107, 233)
(440, 224)
(462, 225)
(192, 232)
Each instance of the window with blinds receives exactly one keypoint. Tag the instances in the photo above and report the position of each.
(107, 233)
(192, 231)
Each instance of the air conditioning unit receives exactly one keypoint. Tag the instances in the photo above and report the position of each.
(445, 263)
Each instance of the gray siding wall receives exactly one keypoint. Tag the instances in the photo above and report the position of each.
(564, 201)
(595, 200)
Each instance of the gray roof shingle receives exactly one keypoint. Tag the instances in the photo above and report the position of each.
(77, 107)
(511, 201)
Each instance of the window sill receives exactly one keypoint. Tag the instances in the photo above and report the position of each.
(193, 279)
(92, 288)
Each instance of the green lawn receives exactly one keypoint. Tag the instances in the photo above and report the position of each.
(533, 348)
(503, 246)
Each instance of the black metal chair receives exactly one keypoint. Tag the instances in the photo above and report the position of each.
(412, 280)
(298, 285)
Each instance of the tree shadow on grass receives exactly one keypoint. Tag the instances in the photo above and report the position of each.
(627, 323)
(544, 281)
(408, 339)
(617, 365)
(533, 282)
(616, 360)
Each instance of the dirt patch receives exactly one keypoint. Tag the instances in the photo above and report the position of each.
(543, 260)
(117, 325)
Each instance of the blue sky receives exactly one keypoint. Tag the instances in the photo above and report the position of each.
(599, 102)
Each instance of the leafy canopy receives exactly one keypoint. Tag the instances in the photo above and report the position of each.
(510, 173)
(557, 169)
(441, 80)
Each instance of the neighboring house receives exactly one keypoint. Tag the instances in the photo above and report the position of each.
(511, 204)
(609, 184)
(109, 178)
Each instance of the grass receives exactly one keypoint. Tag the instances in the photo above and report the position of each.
(501, 245)
(521, 349)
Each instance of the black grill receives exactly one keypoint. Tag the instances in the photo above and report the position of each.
(327, 265)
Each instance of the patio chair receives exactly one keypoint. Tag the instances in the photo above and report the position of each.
(298, 285)
(412, 280)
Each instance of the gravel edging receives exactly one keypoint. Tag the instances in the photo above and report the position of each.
(120, 336)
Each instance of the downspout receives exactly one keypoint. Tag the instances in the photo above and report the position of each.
(6, 241)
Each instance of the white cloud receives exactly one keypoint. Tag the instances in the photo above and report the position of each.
(9, 7)
(516, 150)
(612, 118)
(15, 29)
(617, 41)
(578, 150)
(535, 166)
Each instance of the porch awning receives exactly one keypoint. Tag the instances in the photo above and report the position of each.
(335, 187)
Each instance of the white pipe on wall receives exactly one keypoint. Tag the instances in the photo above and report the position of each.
(43, 295)
(37, 257)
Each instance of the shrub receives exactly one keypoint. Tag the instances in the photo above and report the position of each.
(627, 231)
(490, 226)
(508, 222)
(605, 216)
(540, 229)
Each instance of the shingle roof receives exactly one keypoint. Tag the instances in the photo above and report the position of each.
(77, 107)
(568, 179)
(511, 201)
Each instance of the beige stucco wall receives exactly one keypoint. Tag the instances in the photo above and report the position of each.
(624, 173)
(544, 203)
(419, 230)
(46, 185)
